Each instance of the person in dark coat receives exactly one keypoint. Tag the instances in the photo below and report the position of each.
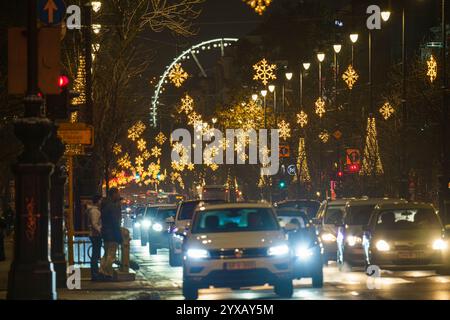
(111, 214)
(95, 234)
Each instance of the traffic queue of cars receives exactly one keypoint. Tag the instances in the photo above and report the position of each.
(223, 244)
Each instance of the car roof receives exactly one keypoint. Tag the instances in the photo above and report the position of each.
(298, 200)
(374, 201)
(406, 205)
(168, 206)
(337, 202)
(239, 205)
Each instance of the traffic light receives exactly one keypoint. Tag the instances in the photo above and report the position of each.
(282, 184)
(352, 168)
(59, 106)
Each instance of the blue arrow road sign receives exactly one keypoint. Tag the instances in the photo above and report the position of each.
(51, 12)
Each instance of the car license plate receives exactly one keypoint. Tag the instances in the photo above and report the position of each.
(240, 265)
(409, 255)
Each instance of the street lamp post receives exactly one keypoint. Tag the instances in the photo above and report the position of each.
(337, 48)
(31, 276)
(273, 89)
(320, 58)
(264, 94)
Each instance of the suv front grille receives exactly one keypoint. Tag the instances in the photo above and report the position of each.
(238, 253)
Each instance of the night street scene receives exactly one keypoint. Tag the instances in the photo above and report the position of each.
(263, 150)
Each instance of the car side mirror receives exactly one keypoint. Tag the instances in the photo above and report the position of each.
(289, 227)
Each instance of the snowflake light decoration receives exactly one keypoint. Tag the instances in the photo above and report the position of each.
(350, 77)
(302, 119)
(124, 161)
(264, 72)
(141, 144)
(187, 104)
(146, 155)
(387, 110)
(432, 68)
(136, 130)
(258, 5)
(194, 119)
(324, 136)
(320, 107)
(117, 149)
(190, 166)
(156, 152)
(214, 166)
(284, 128)
(177, 75)
(160, 138)
(139, 161)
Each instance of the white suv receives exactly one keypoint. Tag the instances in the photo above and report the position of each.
(236, 245)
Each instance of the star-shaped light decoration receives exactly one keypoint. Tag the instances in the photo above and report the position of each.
(264, 72)
(284, 129)
(350, 77)
(136, 130)
(258, 5)
(302, 118)
(387, 110)
(177, 75)
(117, 149)
(141, 144)
(190, 166)
(320, 107)
(187, 104)
(156, 152)
(160, 138)
(324, 136)
(431, 68)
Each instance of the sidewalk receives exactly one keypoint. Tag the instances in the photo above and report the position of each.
(140, 289)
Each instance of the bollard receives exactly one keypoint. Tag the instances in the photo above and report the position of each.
(124, 273)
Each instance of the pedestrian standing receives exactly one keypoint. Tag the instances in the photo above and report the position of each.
(2, 237)
(95, 234)
(111, 214)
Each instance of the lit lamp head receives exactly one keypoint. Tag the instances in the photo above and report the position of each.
(306, 65)
(385, 15)
(288, 75)
(96, 6)
(264, 93)
(337, 48)
(254, 97)
(321, 56)
(354, 37)
(271, 88)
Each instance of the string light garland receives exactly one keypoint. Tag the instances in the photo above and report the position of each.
(387, 110)
(79, 84)
(371, 164)
(302, 118)
(258, 5)
(302, 162)
(177, 75)
(350, 77)
(264, 72)
(432, 68)
(320, 107)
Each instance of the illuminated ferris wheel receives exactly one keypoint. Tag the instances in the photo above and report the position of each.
(191, 53)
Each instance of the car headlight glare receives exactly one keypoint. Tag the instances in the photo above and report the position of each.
(303, 253)
(146, 224)
(382, 245)
(197, 253)
(157, 227)
(353, 240)
(137, 225)
(440, 244)
(278, 250)
(328, 237)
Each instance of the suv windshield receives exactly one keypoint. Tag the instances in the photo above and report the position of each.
(309, 207)
(359, 215)
(409, 219)
(334, 215)
(165, 213)
(297, 217)
(187, 208)
(235, 220)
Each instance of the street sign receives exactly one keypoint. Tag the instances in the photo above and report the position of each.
(337, 134)
(51, 12)
(291, 170)
(49, 56)
(353, 156)
(76, 134)
(284, 151)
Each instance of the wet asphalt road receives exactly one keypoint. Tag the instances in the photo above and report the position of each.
(347, 285)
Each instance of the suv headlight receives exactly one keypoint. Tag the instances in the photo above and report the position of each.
(353, 240)
(439, 244)
(146, 224)
(304, 253)
(382, 245)
(157, 227)
(328, 237)
(197, 253)
(137, 225)
(278, 250)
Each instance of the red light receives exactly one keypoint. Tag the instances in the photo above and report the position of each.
(340, 174)
(63, 81)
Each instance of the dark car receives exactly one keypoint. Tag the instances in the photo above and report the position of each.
(305, 244)
(310, 207)
(158, 232)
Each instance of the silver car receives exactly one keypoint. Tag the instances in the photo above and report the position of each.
(406, 236)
